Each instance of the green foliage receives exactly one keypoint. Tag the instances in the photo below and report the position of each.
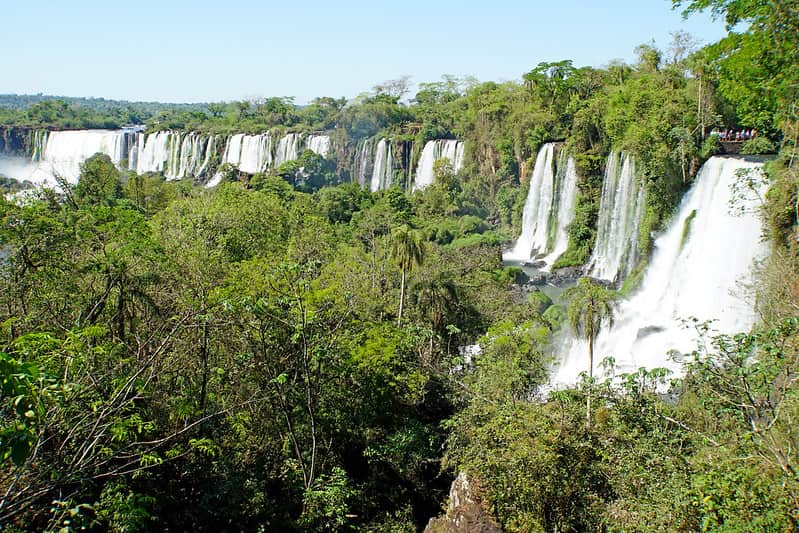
(554, 316)
(327, 502)
(756, 61)
(100, 181)
(25, 392)
(710, 147)
(590, 308)
(232, 359)
(540, 301)
(757, 145)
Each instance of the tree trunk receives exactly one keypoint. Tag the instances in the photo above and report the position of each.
(590, 380)
(204, 362)
(402, 298)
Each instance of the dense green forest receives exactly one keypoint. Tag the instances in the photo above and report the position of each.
(64, 112)
(262, 357)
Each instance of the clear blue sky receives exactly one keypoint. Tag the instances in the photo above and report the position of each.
(190, 51)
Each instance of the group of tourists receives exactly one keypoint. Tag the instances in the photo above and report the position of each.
(730, 135)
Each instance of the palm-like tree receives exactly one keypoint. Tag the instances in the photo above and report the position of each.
(407, 248)
(591, 308)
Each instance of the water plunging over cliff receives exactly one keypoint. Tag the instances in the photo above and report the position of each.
(432, 152)
(363, 164)
(621, 209)
(287, 149)
(696, 270)
(565, 204)
(548, 209)
(318, 144)
(64, 151)
(383, 170)
(537, 207)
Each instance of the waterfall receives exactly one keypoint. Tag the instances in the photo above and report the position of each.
(39, 144)
(621, 209)
(176, 155)
(189, 155)
(159, 152)
(256, 153)
(210, 148)
(287, 149)
(697, 269)
(537, 208)
(232, 154)
(318, 144)
(382, 174)
(432, 152)
(64, 151)
(565, 203)
(364, 162)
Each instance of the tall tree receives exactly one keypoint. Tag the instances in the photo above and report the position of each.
(407, 248)
(591, 308)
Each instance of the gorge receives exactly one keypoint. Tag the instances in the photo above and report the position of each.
(562, 301)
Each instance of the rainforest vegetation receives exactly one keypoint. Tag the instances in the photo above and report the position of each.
(263, 357)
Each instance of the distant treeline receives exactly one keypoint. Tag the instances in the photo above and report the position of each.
(77, 112)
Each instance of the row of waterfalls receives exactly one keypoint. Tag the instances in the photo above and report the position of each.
(699, 269)
(695, 270)
(376, 163)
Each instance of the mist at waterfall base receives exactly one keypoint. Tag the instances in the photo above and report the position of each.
(699, 270)
(20, 169)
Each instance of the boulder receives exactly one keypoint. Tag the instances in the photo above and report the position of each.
(565, 275)
(465, 512)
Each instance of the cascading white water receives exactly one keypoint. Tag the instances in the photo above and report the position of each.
(232, 153)
(565, 203)
(382, 174)
(537, 208)
(210, 148)
(364, 162)
(318, 144)
(697, 270)
(621, 209)
(176, 155)
(133, 154)
(287, 148)
(64, 151)
(158, 152)
(432, 152)
(39, 143)
(256, 153)
(191, 154)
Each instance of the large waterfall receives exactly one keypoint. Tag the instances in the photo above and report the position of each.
(249, 153)
(287, 149)
(549, 208)
(363, 163)
(621, 209)
(318, 144)
(176, 155)
(565, 203)
(432, 152)
(64, 151)
(383, 170)
(157, 152)
(698, 270)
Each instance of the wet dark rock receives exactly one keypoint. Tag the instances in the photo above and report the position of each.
(535, 264)
(565, 275)
(649, 330)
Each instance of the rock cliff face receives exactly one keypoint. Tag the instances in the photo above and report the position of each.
(465, 512)
(15, 140)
